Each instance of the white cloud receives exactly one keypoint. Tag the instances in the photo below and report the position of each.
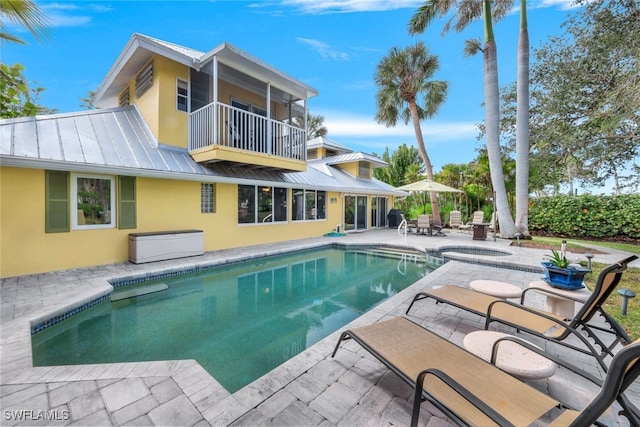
(561, 4)
(345, 6)
(325, 50)
(341, 124)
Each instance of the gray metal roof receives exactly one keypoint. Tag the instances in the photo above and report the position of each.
(321, 141)
(118, 141)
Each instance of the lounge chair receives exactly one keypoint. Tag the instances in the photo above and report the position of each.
(478, 218)
(455, 219)
(470, 390)
(543, 324)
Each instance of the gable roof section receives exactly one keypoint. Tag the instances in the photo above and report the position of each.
(321, 141)
(118, 141)
(140, 49)
(355, 157)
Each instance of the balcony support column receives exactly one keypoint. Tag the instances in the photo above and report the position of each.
(269, 127)
(214, 72)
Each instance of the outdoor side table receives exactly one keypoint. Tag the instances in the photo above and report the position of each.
(512, 358)
(480, 231)
(565, 307)
(496, 288)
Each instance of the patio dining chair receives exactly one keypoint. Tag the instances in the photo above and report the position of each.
(543, 324)
(472, 391)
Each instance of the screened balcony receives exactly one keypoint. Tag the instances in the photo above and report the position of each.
(243, 111)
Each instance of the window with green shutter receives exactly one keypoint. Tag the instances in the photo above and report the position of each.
(126, 202)
(57, 215)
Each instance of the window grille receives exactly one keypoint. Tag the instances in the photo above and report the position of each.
(364, 170)
(144, 79)
(123, 99)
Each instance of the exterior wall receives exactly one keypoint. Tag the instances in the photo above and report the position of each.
(350, 168)
(162, 205)
(173, 128)
(160, 101)
(24, 245)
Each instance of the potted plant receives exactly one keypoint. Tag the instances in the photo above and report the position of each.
(559, 272)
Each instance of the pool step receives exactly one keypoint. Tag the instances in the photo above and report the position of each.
(144, 290)
(398, 253)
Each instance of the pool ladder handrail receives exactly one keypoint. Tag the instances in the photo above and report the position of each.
(404, 224)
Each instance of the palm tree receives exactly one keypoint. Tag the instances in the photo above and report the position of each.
(466, 12)
(403, 82)
(315, 125)
(25, 13)
(522, 126)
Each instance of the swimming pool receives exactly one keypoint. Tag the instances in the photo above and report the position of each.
(238, 321)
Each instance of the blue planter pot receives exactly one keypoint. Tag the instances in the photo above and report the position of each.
(564, 278)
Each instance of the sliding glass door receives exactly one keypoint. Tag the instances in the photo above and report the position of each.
(355, 213)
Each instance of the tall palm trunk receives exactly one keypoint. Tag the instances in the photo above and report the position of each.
(522, 126)
(492, 121)
(435, 209)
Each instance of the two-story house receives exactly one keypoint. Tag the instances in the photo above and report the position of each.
(181, 139)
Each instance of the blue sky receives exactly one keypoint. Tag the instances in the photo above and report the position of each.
(332, 45)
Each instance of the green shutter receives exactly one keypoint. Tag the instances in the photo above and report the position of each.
(57, 215)
(127, 202)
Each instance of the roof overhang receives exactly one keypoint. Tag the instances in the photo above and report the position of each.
(140, 49)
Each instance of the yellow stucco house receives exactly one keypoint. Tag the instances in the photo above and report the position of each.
(181, 140)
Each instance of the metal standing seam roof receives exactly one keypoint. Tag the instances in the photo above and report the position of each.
(118, 141)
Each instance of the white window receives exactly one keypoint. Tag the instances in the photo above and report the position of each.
(95, 200)
(182, 95)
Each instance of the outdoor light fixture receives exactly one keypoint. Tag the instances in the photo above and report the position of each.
(627, 294)
(518, 237)
(589, 256)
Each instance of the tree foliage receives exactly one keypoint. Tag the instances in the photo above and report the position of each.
(585, 113)
(315, 125)
(406, 91)
(17, 99)
(25, 13)
(405, 165)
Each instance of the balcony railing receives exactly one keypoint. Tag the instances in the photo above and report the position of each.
(237, 128)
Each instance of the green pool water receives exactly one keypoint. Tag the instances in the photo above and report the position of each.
(238, 321)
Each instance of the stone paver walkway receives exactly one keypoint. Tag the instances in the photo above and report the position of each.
(309, 389)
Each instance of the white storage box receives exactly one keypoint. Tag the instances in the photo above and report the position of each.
(163, 245)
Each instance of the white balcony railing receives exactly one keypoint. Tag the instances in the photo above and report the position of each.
(244, 130)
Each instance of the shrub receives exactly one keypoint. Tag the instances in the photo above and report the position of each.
(586, 216)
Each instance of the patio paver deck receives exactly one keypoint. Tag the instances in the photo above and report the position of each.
(310, 389)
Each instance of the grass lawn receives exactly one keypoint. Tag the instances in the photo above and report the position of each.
(630, 280)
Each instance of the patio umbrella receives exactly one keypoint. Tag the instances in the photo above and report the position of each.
(428, 185)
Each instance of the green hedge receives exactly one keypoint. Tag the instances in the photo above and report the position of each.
(586, 216)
